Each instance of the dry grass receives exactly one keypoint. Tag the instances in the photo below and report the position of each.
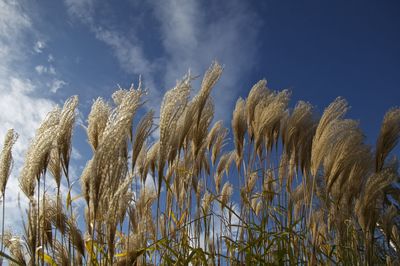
(295, 189)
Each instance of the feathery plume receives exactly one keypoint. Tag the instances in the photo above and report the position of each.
(251, 181)
(213, 133)
(60, 155)
(143, 130)
(335, 111)
(152, 156)
(267, 120)
(298, 132)
(97, 121)
(226, 193)
(210, 79)
(388, 137)
(219, 143)
(172, 107)
(16, 247)
(206, 202)
(109, 164)
(66, 124)
(38, 154)
(258, 92)
(119, 95)
(6, 159)
(222, 165)
(239, 126)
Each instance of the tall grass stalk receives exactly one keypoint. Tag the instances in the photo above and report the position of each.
(285, 186)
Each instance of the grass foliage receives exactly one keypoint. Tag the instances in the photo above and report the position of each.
(284, 186)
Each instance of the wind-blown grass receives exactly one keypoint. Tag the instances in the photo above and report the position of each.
(296, 188)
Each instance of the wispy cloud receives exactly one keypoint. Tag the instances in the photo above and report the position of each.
(81, 9)
(51, 70)
(56, 84)
(131, 58)
(39, 46)
(24, 113)
(12, 19)
(193, 37)
(190, 36)
(13, 24)
(23, 107)
(128, 51)
(75, 154)
(130, 55)
(24, 110)
(50, 58)
(41, 69)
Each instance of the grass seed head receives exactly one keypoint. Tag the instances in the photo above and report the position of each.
(226, 193)
(388, 137)
(239, 126)
(6, 159)
(38, 154)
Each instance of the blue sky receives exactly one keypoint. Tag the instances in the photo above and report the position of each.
(50, 50)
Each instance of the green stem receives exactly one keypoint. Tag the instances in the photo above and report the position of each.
(38, 221)
(44, 210)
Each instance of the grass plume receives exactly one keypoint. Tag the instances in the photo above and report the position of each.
(283, 186)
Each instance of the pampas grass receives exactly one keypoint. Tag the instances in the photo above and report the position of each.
(305, 189)
(6, 161)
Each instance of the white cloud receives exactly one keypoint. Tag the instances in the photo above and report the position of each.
(82, 9)
(40, 69)
(180, 25)
(191, 37)
(24, 114)
(39, 46)
(50, 58)
(56, 84)
(23, 108)
(11, 18)
(131, 57)
(52, 70)
(129, 53)
(75, 154)
(13, 25)
(24, 111)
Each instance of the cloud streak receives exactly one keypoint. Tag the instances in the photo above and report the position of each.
(13, 24)
(39, 46)
(56, 84)
(190, 37)
(23, 107)
(193, 37)
(24, 114)
(130, 55)
(41, 69)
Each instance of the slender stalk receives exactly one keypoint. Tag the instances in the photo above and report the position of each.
(38, 220)
(2, 221)
(92, 244)
(44, 214)
(58, 219)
